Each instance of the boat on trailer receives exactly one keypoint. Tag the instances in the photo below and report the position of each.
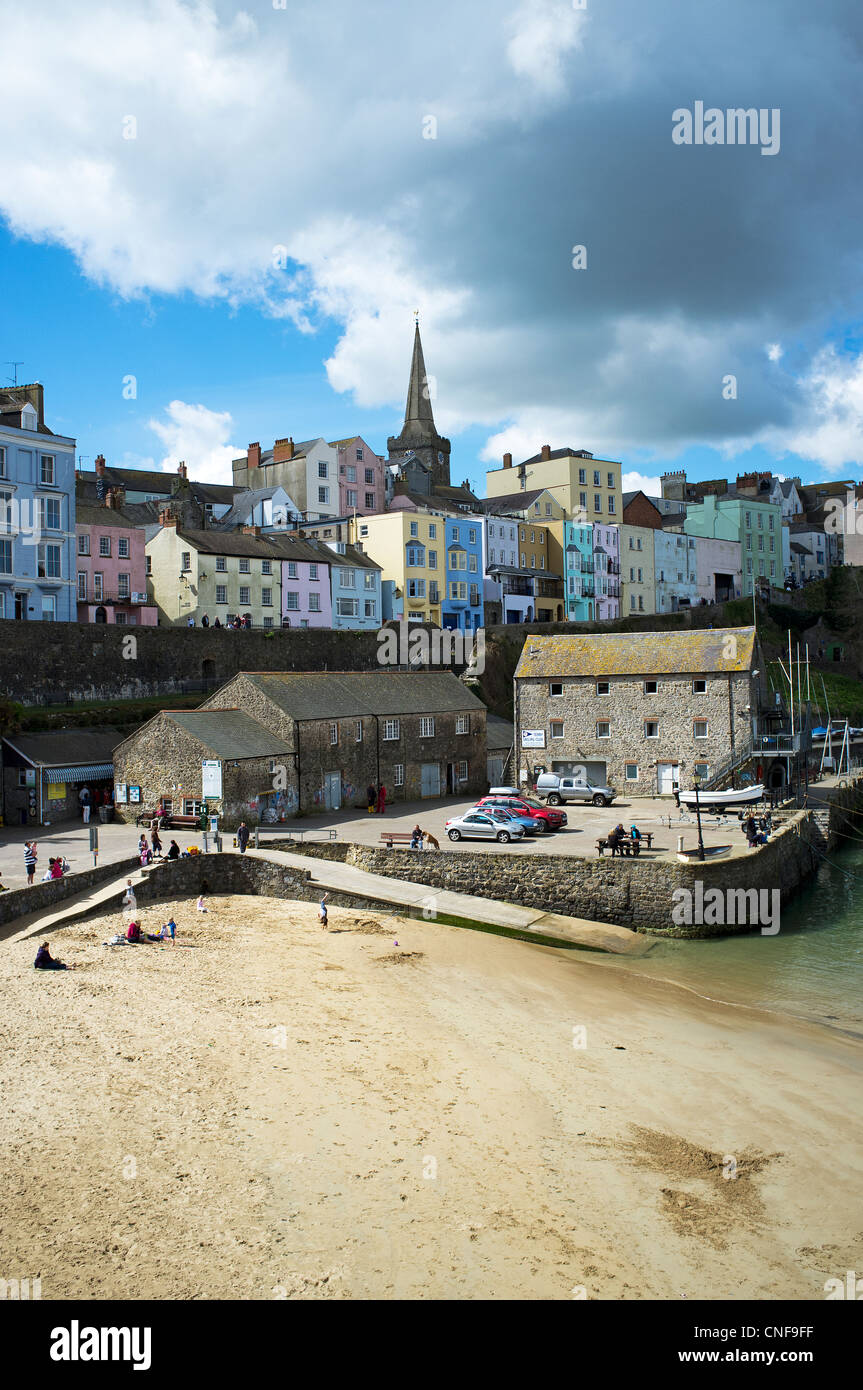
(721, 801)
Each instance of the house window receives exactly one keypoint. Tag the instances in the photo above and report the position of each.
(322, 470)
(245, 593)
(49, 608)
(611, 481)
(461, 771)
(582, 501)
(399, 775)
(347, 579)
(314, 603)
(351, 497)
(426, 727)
(221, 564)
(597, 501)
(46, 470)
(266, 567)
(347, 607)
(268, 622)
(416, 588)
(603, 688)
(149, 559)
(292, 569)
(415, 556)
(49, 513)
(472, 564)
(123, 547)
(370, 608)
(369, 579)
(462, 724)
(323, 495)
(370, 499)
(415, 530)
(651, 728)
(699, 687)
(699, 728)
(313, 571)
(557, 728)
(351, 474)
(82, 585)
(391, 730)
(603, 729)
(432, 531)
(596, 477)
(631, 773)
(2, 461)
(266, 598)
(245, 565)
(292, 599)
(432, 564)
(186, 560)
(358, 731)
(334, 733)
(650, 687)
(221, 593)
(702, 770)
(98, 586)
(611, 504)
(83, 545)
(124, 585)
(369, 473)
(191, 806)
(49, 562)
(105, 546)
(121, 619)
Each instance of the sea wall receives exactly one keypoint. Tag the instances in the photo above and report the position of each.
(43, 897)
(635, 893)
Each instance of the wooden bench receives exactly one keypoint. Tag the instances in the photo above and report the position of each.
(396, 837)
(171, 821)
(630, 848)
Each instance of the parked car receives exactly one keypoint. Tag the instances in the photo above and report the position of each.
(529, 824)
(559, 789)
(546, 818)
(482, 825)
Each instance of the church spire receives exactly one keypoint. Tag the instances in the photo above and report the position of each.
(418, 411)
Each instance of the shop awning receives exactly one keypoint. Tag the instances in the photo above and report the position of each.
(95, 772)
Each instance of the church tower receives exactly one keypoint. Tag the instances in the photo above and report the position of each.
(419, 438)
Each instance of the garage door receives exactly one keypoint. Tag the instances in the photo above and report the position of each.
(595, 772)
(430, 780)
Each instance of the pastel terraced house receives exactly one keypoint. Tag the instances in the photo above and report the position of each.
(111, 566)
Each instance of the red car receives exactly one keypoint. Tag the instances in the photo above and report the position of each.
(547, 818)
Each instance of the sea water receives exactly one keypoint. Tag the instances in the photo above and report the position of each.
(812, 968)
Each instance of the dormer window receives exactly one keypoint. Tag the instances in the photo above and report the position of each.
(29, 418)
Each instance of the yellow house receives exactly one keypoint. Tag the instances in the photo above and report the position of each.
(410, 548)
(587, 488)
(223, 574)
(637, 571)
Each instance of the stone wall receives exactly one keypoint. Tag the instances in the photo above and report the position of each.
(634, 893)
(44, 897)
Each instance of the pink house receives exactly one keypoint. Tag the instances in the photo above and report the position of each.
(111, 566)
(606, 560)
(306, 588)
(361, 477)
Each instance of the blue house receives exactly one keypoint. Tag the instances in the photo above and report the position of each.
(579, 582)
(462, 605)
(37, 512)
(356, 585)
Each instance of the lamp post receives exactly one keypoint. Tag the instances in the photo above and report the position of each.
(698, 819)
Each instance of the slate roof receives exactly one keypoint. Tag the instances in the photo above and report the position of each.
(347, 694)
(66, 747)
(512, 501)
(499, 732)
(638, 653)
(229, 733)
(86, 514)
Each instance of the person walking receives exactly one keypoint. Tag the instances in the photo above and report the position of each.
(217, 623)
(205, 621)
(30, 857)
(84, 798)
(242, 836)
(382, 799)
(130, 902)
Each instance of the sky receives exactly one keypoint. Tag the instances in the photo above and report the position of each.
(218, 220)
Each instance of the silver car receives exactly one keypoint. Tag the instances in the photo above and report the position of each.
(480, 825)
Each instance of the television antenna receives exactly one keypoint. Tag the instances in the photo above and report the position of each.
(14, 366)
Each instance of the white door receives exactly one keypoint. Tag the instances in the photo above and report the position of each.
(667, 778)
(333, 791)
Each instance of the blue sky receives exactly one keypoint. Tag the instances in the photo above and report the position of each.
(141, 214)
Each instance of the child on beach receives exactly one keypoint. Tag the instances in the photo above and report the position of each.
(322, 911)
(200, 904)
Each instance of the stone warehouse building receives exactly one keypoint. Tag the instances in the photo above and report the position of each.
(278, 742)
(644, 712)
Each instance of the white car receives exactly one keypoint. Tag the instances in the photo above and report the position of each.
(480, 825)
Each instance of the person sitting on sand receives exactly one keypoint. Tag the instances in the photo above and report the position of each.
(45, 961)
(322, 911)
(133, 932)
(200, 905)
(173, 850)
(57, 868)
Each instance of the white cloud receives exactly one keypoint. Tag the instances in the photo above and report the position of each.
(775, 351)
(543, 31)
(828, 419)
(200, 438)
(639, 482)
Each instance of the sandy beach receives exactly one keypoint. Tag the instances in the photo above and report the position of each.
(269, 1110)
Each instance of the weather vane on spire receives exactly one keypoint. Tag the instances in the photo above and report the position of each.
(416, 315)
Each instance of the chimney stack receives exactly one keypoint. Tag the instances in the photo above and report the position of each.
(251, 530)
(167, 518)
(100, 465)
(283, 449)
(181, 468)
(253, 457)
(545, 452)
(507, 460)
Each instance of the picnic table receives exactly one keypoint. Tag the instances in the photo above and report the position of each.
(627, 845)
